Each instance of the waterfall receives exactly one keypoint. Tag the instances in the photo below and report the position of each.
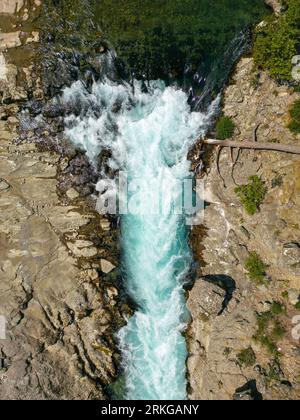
(149, 134)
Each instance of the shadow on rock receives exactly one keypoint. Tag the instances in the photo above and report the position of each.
(226, 283)
(248, 392)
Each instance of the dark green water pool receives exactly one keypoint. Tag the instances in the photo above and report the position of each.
(154, 38)
(163, 36)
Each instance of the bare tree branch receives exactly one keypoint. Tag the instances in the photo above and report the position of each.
(234, 165)
(220, 148)
(255, 130)
(255, 133)
(285, 148)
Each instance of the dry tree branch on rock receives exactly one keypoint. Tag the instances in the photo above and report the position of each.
(284, 148)
(254, 145)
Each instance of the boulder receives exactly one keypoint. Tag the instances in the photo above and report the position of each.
(3, 185)
(72, 194)
(206, 299)
(83, 249)
(10, 40)
(107, 266)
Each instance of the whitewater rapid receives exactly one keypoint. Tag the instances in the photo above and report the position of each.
(149, 135)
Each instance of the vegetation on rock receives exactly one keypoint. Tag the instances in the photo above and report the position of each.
(269, 331)
(252, 195)
(227, 351)
(256, 268)
(277, 181)
(278, 40)
(225, 128)
(273, 372)
(294, 125)
(277, 308)
(255, 81)
(117, 389)
(247, 357)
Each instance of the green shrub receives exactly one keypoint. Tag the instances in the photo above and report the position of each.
(278, 332)
(256, 268)
(269, 331)
(225, 128)
(277, 42)
(273, 372)
(247, 357)
(277, 308)
(268, 344)
(263, 321)
(297, 88)
(252, 195)
(294, 125)
(297, 306)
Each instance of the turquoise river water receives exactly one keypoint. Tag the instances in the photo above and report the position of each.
(149, 136)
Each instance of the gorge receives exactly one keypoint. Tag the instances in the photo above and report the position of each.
(149, 130)
(149, 136)
(141, 306)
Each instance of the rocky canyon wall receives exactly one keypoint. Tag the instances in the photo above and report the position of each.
(58, 258)
(241, 339)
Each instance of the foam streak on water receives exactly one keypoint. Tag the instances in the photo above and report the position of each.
(149, 135)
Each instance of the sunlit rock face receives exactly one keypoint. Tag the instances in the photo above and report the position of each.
(11, 6)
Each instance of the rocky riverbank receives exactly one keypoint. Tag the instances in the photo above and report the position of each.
(241, 342)
(59, 281)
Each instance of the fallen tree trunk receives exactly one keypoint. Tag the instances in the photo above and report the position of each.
(285, 148)
(273, 147)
